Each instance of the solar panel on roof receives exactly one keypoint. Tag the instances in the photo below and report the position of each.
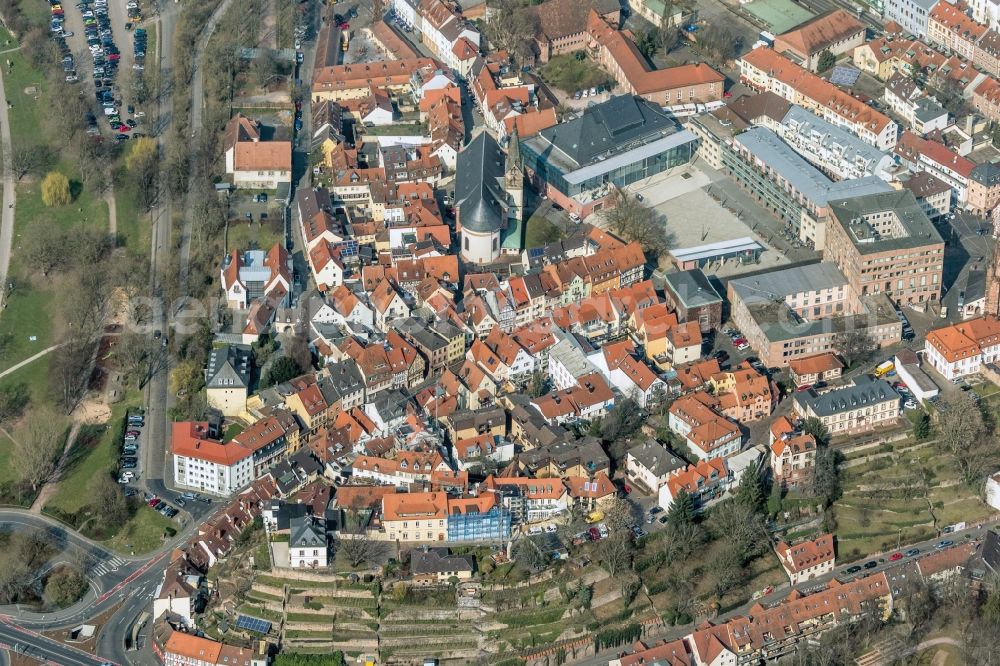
(844, 76)
(253, 624)
(534, 252)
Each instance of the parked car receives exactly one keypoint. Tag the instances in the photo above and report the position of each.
(871, 564)
(594, 534)
(895, 557)
(913, 552)
(945, 543)
(852, 570)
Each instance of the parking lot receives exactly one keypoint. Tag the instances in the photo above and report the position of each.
(129, 451)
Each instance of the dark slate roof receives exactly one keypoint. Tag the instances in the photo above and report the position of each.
(438, 560)
(305, 533)
(228, 367)
(479, 185)
(610, 126)
(865, 391)
(986, 173)
(692, 288)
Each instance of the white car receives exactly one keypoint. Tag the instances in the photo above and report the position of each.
(551, 529)
(742, 347)
(574, 217)
(909, 404)
(535, 531)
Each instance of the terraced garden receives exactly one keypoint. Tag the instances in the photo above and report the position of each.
(901, 498)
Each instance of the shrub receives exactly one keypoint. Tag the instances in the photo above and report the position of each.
(55, 189)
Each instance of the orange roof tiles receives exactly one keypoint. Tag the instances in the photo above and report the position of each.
(193, 647)
(806, 555)
(815, 364)
(418, 506)
(966, 338)
(822, 93)
(190, 440)
(818, 33)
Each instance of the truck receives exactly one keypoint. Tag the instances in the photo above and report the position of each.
(884, 368)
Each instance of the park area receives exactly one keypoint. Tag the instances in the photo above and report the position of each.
(570, 72)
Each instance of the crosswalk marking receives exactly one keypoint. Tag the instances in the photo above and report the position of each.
(107, 567)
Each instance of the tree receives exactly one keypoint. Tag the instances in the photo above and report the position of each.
(741, 527)
(138, 88)
(65, 586)
(826, 475)
(69, 373)
(725, 571)
(681, 510)
(615, 553)
(855, 345)
(750, 491)
(668, 32)
(646, 42)
(624, 420)
(13, 399)
(826, 61)
(361, 548)
(682, 539)
(140, 356)
(620, 514)
(298, 349)
(187, 378)
(107, 501)
(28, 158)
(511, 26)
(813, 426)
(38, 445)
(719, 39)
(531, 553)
(55, 189)
(962, 431)
(142, 165)
(919, 604)
(281, 370)
(922, 428)
(774, 500)
(634, 222)
(42, 247)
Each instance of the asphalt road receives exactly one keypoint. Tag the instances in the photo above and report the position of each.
(779, 594)
(36, 646)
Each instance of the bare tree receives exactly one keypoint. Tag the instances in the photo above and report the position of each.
(27, 159)
(140, 356)
(511, 26)
(107, 501)
(38, 444)
(635, 222)
(742, 527)
(359, 547)
(620, 514)
(855, 345)
(531, 554)
(615, 553)
(962, 430)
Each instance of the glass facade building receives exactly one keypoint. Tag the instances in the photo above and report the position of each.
(475, 526)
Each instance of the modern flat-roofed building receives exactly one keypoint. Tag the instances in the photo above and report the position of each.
(802, 311)
(885, 243)
(833, 149)
(786, 183)
(617, 142)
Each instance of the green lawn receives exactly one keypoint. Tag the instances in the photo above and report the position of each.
(133, 228)
(540, 231)
(143, 533)
(570, 75)
(244, 236)
(6, 451)
(95, 455)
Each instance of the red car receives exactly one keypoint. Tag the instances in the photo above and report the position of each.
(727, 94)
(153, 501)
(344, 26)
(595, 534)
(627, 488)
(895, 557)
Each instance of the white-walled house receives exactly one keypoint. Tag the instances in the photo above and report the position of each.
(961, 349)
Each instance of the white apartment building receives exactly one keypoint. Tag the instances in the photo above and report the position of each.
(832, 148)
(912, 15)
(205, 464)
(961, 349)
(862, 407)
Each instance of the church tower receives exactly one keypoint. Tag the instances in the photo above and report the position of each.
(992, 307)
(513, 182)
